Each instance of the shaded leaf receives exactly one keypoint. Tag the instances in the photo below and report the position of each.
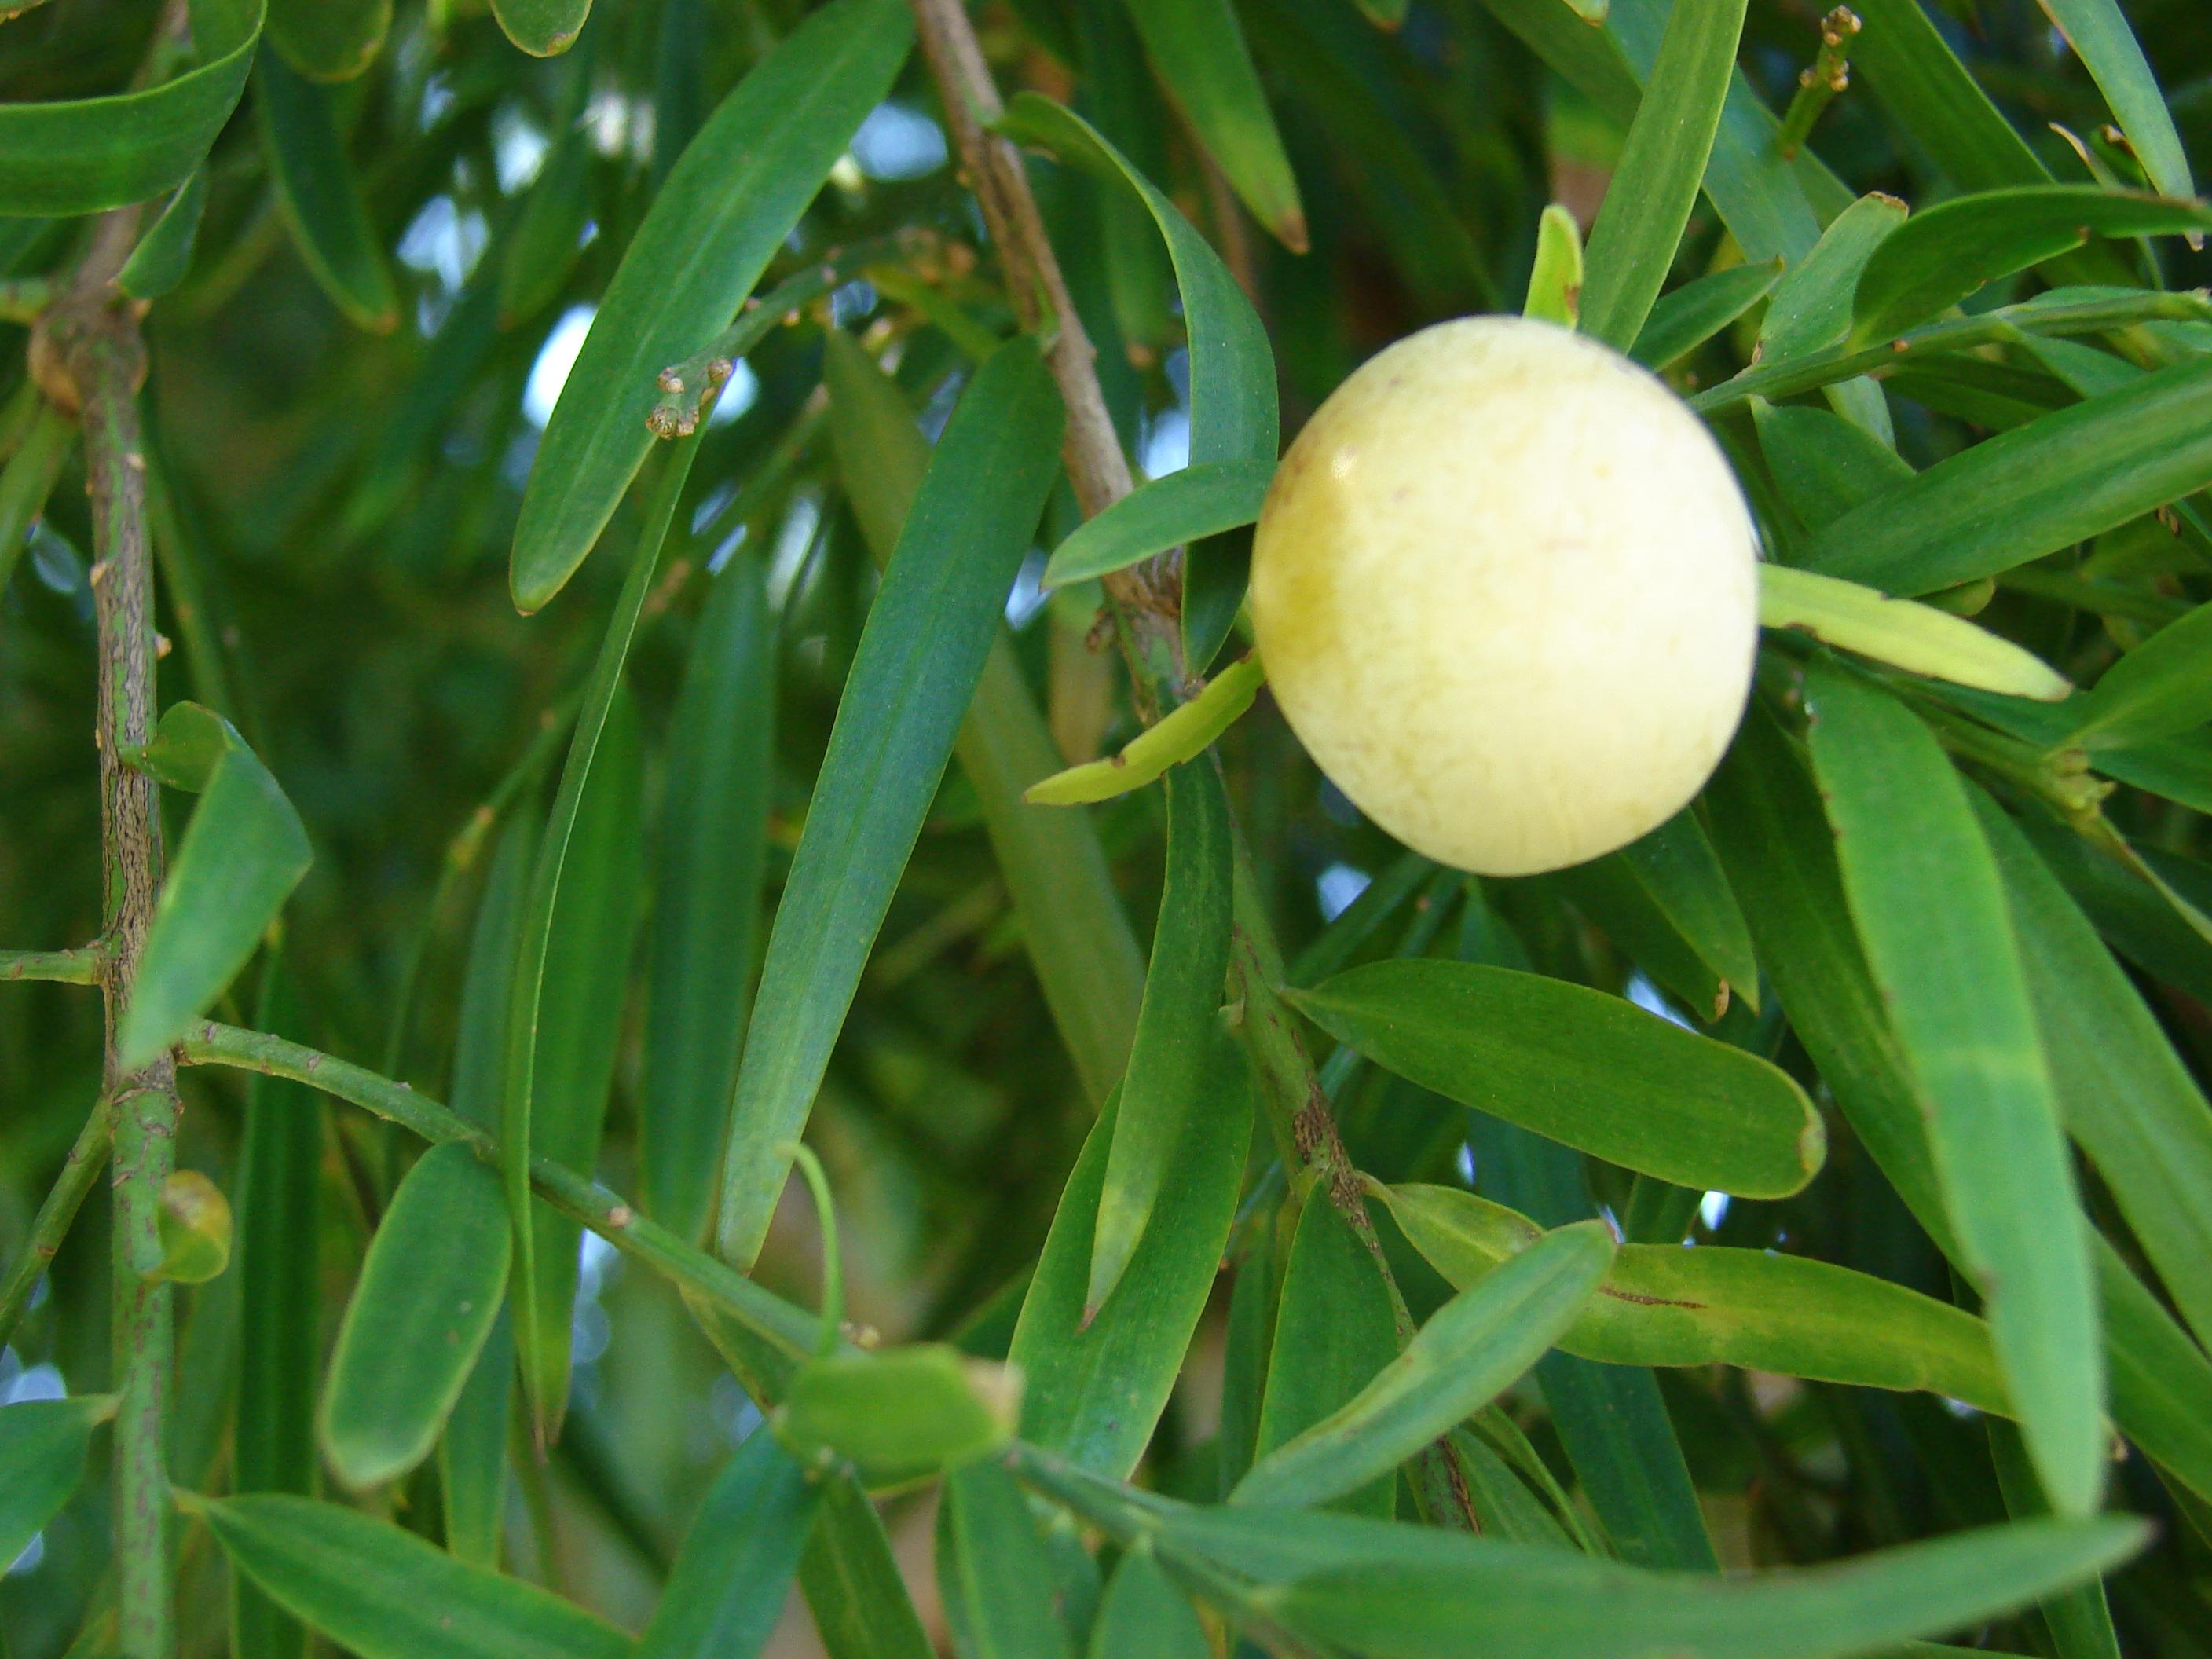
(997, 1576)
(854, 1587)
(329, 39)
(431, 1285)
(321, 196)
(2161, 687)
(2098, 33)
(164, 253)
(728, 1588)
(542, 27)
(919, 658)
(43, 1446)
(899, 1415)
(1694, 313)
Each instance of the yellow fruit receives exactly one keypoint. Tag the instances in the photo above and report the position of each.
(1506, 588)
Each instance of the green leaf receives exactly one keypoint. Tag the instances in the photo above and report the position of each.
(728, 1588)
(996, 1575)
(1334, 1335)
(280, 1173)
(1437, 1596)
(1073, 924)
(1694, 313)
(1144, 1614)
(320, 194)
(2126, 1097)
(1824, 465)
(590, 898)
(542, 27)
(1555, 281)
(919, 658)
(1945, 252)
(43, 1447)
(384, 1594)
(1233, 412)
(548, 237)
(1930, 909)
(1632, 245)
(1661, 1305)
(164, 253)
(193, 1224)
(1812, 306)
(2069, 476)
(1468, 1354)
(712, 842)
(1197, 501)
(2161, 687)
(428, 1290)
(1175, 1026)
(87, 155)
(1095, 1391)
(725, 209)
(1921, 85)
(2098, 33)
(1181, 734)
(1566, 1062)
(897, 1416)
(329, 39)
(242, 854)
(1198, 48)
(1918, 638)
(1664, 900)
(853, 1586)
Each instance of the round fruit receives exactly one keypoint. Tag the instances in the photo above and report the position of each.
(1506, 591)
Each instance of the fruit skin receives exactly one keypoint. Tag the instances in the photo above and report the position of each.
(1506, 590)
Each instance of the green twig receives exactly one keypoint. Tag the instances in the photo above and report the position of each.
(23, 299)
(789, 1328)
(79, 966)
(52, 1224)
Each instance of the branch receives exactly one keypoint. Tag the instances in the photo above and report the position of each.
(791, 1329)
(52, 1224)
(81, 965)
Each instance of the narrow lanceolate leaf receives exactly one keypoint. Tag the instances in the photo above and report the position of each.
(542, 27)
(1632, 244)
(329, 39)
(548, 237)
(1197, 501)
(997, 1576)
(1694, 313)
(1754, 1309)
(733, 1574)
(1144, 1613)
(1175, 1026)
(1184, 732)
(1442, 1596)
(1948, 252)
(545, 1356)
(1812, 306)
(915, 669)
(280, 1308)
(592, 901)
(2063, 478)
(43, 1445)
(321, 195)
(1931, 911)
(385, 1593)
(1664, 900)
(1567, 1061)
(1198, 48)
(243, 853)
(1334, 1335)
(91, 154)
(1824, 465)
(2161, 687)
(1233, 410)
(724, 210)
(2128, 1100)
(1094, 1391)
(426, 1299)
(1555, 282)
(164, 253)
(714, 833)
(2098, 33)
(1916, 637)
(853, 1585)
(1073, 924)
(1470, 1351)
